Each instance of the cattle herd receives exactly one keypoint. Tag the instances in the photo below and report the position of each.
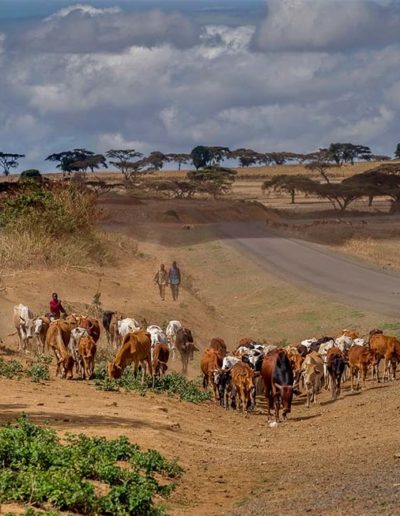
(235, 377)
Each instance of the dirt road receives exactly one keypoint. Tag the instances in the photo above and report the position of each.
(317, 268)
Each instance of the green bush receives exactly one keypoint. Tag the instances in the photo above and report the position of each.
(39, 470)
(30, 175)
(10, 369)
(172, 384)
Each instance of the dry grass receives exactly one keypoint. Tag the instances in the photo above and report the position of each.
(56, 227)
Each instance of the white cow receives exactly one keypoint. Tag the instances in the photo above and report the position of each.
(323, 351)
(229, 361)
(308, 342)
(41, 325)
(73, 345)
(344, 343)
(158, 336)
(172, 329)
(126, 326)
(23, 322)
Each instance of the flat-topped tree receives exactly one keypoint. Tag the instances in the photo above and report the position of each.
(247, 157)
(77, 160)
(213, 179)
(9, 161)
(155, 160)
(122, 159)
(291, 184)
(180, 158)
(203, 156)
(346, 153)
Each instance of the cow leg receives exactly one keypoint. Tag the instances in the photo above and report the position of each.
(277, 403)
(333, 387)
(394, 366)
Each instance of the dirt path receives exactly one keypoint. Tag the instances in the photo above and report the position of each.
(317, 268)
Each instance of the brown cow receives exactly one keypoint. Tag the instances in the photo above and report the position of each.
(387, 348)
(210, 362)
(353, 334)
(87, 351)
(184, 344)
(136, 348)
(110, 324)
(57, 339)
(243, 377)
(277, 374)
(160, 359)
(92, 326)
(296, 361)
(359, 358)
(219, 345)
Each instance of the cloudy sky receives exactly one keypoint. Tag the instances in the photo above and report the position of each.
(171, 74)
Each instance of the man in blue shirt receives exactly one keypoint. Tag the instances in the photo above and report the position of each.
(174, 279)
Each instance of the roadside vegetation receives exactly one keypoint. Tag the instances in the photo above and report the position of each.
(50, 225)
(173, 384)
(80, 474)
(37, 370)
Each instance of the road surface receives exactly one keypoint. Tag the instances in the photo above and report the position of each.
(317, 268)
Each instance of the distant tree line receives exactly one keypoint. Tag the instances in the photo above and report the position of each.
(132, 163)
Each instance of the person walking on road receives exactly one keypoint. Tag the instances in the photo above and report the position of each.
(174, 279)
(161, 279)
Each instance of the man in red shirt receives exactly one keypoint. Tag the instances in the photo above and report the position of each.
(56, 308)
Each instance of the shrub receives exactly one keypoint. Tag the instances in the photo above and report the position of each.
(39, 470)
(10, 369)
(172, 384)
(30, 175)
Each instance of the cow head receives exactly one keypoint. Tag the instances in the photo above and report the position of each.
(38, 324)
(29, 325)
(114, 370)
(188, 334)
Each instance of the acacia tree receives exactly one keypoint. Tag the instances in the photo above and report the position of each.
(77, 160)
(397, 151)
(122, 158)
(347, 152)
(155, 160)
(213, 179)
(290, 184)
(379, 181)
(181, 159)
(322, 167)
(9, 160)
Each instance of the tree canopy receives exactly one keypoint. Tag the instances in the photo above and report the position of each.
(9, 160)
(78, 160)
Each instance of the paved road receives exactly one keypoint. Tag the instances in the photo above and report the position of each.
(318, 269)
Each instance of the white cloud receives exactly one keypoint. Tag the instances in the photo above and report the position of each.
(328, 24)
(82, 9)
(85, 29)
(148, 92)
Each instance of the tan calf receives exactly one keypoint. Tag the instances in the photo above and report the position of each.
(57, 339)
(136, 349)
(87, 351)
(313, 374)
(243, 381)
